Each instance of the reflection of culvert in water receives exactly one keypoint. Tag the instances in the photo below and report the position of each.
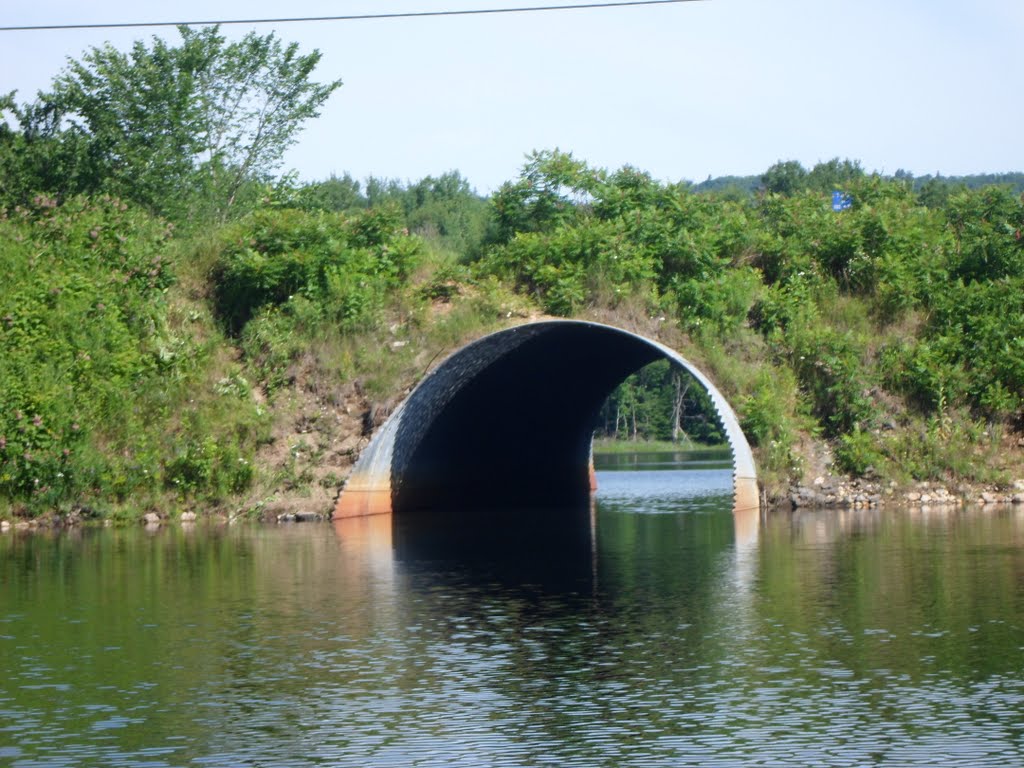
(508, 547)
(506, 423)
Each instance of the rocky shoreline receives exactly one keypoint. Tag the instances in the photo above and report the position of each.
(823, 493)
(846, 493)
(153, 520)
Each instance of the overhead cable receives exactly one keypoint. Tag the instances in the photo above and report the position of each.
(351, 17)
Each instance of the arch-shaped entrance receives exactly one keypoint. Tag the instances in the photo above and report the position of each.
(506, 422)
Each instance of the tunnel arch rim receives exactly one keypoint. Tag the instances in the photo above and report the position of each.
(369, 484)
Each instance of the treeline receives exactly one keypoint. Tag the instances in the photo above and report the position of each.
(166, 293)
(445, 208)
(660, 403)
(785, 176)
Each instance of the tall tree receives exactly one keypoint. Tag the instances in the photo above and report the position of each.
(176, 127)
(551, 190)
(785, 178)
(834, 174)
(253, 96)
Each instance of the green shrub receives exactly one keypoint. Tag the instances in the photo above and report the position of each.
(770, 419)
(926, 373)
(971, 353)
(986, 225)
(102, 395)
(81, 324)
(343, 263)
(950, 448)
(569, 267)
(980, 326)
(209, 468)
(721, 303)
(858, 451)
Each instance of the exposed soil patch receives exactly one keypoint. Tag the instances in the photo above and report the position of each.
(317, 434)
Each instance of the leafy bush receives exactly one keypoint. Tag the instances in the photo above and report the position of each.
(209, 467)
(568, 267)
(574, 237)
(986, 225)
(858, 451)
(722, 302)
(926, 373)
(980, 327)
(342, 263)
(81, 323)
(769, 417)
(102, 394)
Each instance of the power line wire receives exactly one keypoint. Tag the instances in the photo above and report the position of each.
(352, 17)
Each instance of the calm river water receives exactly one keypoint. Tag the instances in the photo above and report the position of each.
(665, 632)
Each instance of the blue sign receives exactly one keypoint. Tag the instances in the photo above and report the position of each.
(841, 201)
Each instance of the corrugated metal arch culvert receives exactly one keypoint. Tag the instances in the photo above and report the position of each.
(507, 421)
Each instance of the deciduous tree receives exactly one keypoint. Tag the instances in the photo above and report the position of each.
(181, 129)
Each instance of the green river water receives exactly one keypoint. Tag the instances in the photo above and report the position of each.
(657, 630)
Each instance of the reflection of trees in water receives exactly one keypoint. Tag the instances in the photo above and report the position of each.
(538, 641)
(908, 591)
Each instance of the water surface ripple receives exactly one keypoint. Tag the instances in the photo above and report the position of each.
(676, 636)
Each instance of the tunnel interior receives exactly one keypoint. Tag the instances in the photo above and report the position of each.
(509, 426)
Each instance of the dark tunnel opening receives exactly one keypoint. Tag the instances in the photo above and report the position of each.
(517, 434)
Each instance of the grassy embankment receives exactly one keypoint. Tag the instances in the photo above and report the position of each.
(226, 372)
(240, 370)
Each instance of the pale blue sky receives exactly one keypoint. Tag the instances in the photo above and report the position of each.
(683, 91)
